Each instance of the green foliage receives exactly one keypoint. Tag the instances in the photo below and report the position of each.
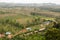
(35, 37)
(11, 25)
(36, 21)
(11, 22)
(52, 34)
(17, 38)
(58, 24)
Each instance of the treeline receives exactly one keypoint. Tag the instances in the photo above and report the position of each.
(40, 14)
(2, 12)
(55, 10)
(51, 9)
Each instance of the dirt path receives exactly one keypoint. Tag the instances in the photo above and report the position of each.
(20, 32)
(24, 31)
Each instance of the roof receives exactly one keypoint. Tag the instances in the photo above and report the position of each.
(8, 33)
(28, 28)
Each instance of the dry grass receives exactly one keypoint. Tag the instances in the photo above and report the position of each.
(24, 20)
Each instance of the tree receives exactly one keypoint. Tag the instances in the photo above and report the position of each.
(52, 34)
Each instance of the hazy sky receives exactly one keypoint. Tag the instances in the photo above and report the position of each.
(31, 1)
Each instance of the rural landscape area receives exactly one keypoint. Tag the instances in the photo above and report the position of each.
(29, 21)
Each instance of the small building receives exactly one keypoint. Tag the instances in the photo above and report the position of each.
(29, 29)
(47, 22)
(28, 34)
(31, 32)
(9, 35)
(42, 29)
(35, 31)
(42, 25)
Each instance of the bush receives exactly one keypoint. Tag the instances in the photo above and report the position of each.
(52, 34)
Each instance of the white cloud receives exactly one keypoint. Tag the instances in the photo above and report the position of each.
(32, 1)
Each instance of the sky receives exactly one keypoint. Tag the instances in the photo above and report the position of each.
(31, 1)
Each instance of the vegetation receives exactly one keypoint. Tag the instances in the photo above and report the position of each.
(18, 20)
(53, 34)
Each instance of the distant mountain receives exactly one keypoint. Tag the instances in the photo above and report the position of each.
(29, 4)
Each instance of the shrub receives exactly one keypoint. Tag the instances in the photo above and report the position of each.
(52, 34)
